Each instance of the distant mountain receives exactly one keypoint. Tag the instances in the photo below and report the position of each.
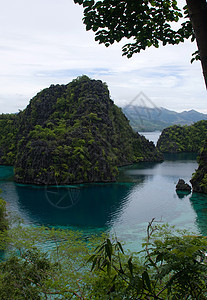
(152, 119)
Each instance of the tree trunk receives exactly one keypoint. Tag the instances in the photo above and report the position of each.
(198, 15)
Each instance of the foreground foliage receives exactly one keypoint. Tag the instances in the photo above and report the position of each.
(42, 263)
(172, 267)
(145, 23)
(148, 23)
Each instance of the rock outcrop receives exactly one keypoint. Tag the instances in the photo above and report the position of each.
(182, 186)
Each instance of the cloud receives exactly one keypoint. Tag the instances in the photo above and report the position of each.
(45, 42)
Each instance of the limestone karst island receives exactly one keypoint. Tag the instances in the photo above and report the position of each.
(71, 133)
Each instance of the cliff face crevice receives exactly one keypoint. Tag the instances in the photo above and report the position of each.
(75, 133)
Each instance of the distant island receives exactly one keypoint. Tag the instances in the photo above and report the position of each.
(192, 138)
(158, 118)
(176, 139)
(71, 133)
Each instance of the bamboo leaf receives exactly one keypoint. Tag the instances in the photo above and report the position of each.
(109, 269)
(146, 280)
(130, 265)
(120, 247)
(94, 263)
(91, 258)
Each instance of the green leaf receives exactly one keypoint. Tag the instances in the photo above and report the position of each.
(109, 249)
(146, 280)
(94, 263)
(159, 257)
(101, 248)
(130, 265)
(109, 269)
(138, 284)
(120, 246)
(79, 1)
(91, 258)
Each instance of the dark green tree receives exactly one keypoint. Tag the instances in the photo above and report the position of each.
(47, 263)
(148, 23)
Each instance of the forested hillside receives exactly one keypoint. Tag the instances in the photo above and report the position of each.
(158, 118)
(71, 134)
(175, 139)
(8, 138)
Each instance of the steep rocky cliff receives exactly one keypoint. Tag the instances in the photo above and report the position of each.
(75, 133)
(199, 179)
(8, 138)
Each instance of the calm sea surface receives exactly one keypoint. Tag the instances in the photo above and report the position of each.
(144, 191)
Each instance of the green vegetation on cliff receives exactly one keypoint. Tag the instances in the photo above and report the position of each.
(75, 133)
(175, 139)
(8, 135)
(199, 179)
(3, 219)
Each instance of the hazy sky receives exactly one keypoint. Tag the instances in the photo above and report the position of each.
(44, 42)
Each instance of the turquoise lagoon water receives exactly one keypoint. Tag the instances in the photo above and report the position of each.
(144, 191)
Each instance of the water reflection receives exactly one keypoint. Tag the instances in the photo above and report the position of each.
(137, 172)
(6, 173)
(199, 204)
(144, 191)
(178, 168)
(96, 205)
(182, 194)
(181, 157)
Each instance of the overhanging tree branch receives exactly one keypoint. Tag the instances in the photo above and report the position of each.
(147, 23)
(198, 16)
